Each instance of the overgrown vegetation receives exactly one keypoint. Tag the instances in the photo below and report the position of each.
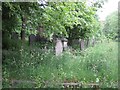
(36, 66)
(111, 26)
(46, 70)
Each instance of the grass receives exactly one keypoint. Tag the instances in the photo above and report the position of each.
(98, 64)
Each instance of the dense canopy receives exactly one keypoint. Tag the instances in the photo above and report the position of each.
(59, 18)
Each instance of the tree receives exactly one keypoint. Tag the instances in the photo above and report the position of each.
(16, 15)
(59, 17)
(63, 18)
(111, 25)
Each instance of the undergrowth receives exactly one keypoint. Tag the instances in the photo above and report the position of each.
(97, 64)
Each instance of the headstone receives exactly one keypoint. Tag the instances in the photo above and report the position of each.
(58, 47)
(37, 37)
(32, 39)
(93, 42)
(41, 39)
(88, 43)
(75, 41)
(65, 43)
(15, 36)
(82, 44)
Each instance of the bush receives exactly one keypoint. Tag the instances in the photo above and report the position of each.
(11, 44)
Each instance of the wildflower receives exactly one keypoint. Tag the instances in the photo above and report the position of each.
(97, 80)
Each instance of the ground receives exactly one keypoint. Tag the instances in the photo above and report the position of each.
(98, 64)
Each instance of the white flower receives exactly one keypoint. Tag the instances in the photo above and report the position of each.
(97, 80)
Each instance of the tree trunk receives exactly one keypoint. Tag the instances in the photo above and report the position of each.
(23, 35)
(23, 28)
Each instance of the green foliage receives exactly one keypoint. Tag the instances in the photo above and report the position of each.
(54, 17)
(11, 44)
(70, 18)
(111, 25)
(13, 12)
(47, 70)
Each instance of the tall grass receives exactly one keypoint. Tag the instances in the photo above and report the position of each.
(97, 64)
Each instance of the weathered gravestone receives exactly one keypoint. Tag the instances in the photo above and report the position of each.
(32, 39)
(41, 39)
(37, 37)
(58, 47)
(82, 44)
(93, 42)
(65, 45)
(65, 42)
(15, 36)
(87, 42)
(75, 41)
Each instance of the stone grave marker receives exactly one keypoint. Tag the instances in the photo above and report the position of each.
(82, 44)
(93, 42)
(65, 43)
(37, 37)
(32, 39)
(75, 41)
(41, 38)
(88, 42)
(58, 47)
